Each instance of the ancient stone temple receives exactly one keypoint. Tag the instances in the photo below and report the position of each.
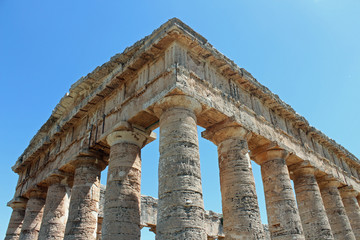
(174, 79)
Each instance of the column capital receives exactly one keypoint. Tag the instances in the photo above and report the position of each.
(271, 154)
(327, 181)
(38, 192)
(54, 179)
(302, 168)
(225, 130)
(348, 192)
(133, 135)
(17, 202)
(177, 101)
(89, 159)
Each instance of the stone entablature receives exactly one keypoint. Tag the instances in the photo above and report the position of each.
(174, 57)
(174, 79)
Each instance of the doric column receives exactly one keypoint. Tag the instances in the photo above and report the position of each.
(240, 208)
(181, 207)
(85, 195)
(352, 208)
(311, 207)
(335, 209)
(33, 214)
(18, 205)
(122, 196)
(282, 212)
(56, 209)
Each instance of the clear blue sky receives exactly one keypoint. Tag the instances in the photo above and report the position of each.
(307, 52)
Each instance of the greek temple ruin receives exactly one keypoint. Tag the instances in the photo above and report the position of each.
(176, 80)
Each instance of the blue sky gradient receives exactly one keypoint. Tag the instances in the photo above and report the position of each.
(307, 52)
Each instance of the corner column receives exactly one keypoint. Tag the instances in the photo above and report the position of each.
(17, 217)
(351, 205)
(85, 196)
(239, 200)
(283, 214)
(335, 209)
(33, 214)
(56, 209)
(311, 207)
(122, 196)
(181, 208)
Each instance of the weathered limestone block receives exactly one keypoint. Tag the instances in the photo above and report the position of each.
(123, 197)
(33, 214)
(311, 208)
(149, 206)
(84, 202)
(56, 209)
(283, 214)
(101, 212)
(99, 229)
(181, 207)
(335, 209)
(17, 217)
(239, 200)
(352, 208)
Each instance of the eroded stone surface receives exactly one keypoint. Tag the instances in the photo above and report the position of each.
(207, 89)
(84, 203)
(33, 215)
(16, 219)
(351, 205)
(311, 208)
(239, 201)
(283, 214)
(56, 211)
(122, 199)
(181, 207)
(335, 210)
(149, 205)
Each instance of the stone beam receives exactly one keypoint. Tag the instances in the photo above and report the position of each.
(173, 59)
(272, 129)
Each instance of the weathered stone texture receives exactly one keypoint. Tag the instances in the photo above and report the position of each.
(176, 80)
(84, 203)
(239, 201)
(149, 206)
(122, 198)
(311, 208)
(55, 211)
(181, 207)
(16, 219)
(33, 215)
(352, 209)
(335, 210)
(283, 214)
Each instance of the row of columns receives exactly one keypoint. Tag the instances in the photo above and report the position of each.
(50, 213)
(320, 210)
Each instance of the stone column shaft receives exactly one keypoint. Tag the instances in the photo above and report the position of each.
(181, 207)
(352, 209)
(335, 210)
(123, 196)
(33, 215)
(84, 202)
(311, 207)
(17, 217)
(283, 214)
(99, 229)
(55, 211)
(240, 208)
